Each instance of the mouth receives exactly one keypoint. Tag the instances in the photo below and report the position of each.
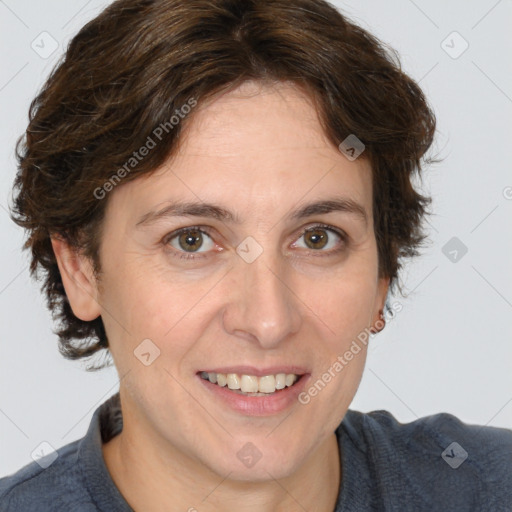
(252, 385)
(252, 391)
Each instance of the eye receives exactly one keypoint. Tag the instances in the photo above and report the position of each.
(321, 238)
(191, 240)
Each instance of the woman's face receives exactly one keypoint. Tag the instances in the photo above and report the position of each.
(275, 272)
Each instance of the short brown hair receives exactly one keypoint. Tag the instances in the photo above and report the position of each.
(132, 67)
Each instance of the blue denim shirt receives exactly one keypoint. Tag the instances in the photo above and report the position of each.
(436, 463)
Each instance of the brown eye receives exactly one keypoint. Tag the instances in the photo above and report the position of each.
(321, 239)
(191, 240)
(316, 239)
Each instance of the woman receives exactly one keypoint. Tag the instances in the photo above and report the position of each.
(218, 193)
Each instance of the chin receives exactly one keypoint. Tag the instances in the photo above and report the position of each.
(257, 461)
(260, 472)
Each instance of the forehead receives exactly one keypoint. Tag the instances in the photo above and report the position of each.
(278, 117)
(259, 111)
(257, 146)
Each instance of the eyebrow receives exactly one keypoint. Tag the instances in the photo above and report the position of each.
(188, 209)
(342, 204)
(198, 209)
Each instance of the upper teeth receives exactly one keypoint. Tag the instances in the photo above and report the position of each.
(251, 383)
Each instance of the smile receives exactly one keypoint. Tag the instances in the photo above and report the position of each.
(251, 385)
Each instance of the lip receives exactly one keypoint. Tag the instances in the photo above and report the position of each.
(256, 405)
(257, 372)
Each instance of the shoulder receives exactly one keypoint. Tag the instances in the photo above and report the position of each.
(53, 483)
(440, 457)
(429, 432)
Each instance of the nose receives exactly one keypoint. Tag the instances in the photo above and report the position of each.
(264, 307)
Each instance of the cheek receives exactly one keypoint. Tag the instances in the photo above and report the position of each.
(344, 303)
(342, 346)
(342, 333)
(148, 303)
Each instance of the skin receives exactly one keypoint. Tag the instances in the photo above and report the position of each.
(258, 151)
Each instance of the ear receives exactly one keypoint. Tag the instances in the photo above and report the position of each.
(379, 321)
(78, 279)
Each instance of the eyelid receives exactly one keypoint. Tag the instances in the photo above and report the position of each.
(176, 253)
(208, 231)
(320, 225)
(339, 232)
(203, 229)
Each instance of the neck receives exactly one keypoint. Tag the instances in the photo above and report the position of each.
(153, 475)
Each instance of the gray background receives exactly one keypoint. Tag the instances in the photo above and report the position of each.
(449, 349)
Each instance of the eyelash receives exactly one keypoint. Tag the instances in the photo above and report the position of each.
(198, 255)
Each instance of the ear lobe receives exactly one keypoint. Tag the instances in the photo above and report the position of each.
(78, 279)
(379, 321)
